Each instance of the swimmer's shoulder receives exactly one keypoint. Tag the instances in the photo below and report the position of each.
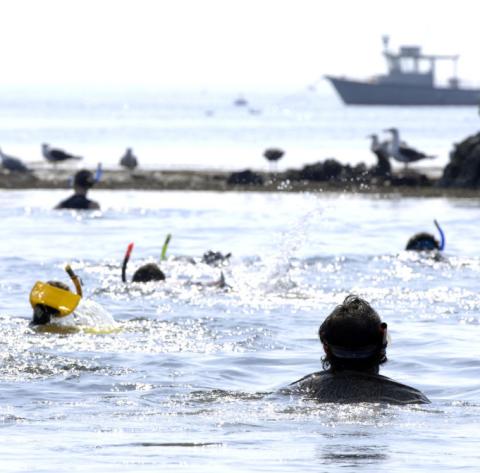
(353, 386)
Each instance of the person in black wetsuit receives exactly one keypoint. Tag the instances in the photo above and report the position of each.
(355, 341)
(82, 183)
(424, 241)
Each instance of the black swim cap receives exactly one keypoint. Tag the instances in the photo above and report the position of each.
(148, 272)
(423, 242)
(84, 178)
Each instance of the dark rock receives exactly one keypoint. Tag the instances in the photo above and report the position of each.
(463, 170)
(411, 180)
(246, 177)
(327, 170)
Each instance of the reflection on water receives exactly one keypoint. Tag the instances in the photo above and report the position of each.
(192, 377)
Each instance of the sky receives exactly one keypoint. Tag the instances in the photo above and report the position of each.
(222, 44)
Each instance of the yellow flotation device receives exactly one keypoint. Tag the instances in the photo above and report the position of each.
(65, 302)
(59, 299)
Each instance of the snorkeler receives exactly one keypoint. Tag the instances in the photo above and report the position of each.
(152, 272)
(147, 272)
(355, 341)
(53, 301)
(82, 183)
(427, 242)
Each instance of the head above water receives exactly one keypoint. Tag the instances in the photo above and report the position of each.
(423, 242)
(427, 242)
(84, 179)
(148, 272)
(353, 337)
(42, 313)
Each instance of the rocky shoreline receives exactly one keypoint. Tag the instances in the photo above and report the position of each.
(461, 177)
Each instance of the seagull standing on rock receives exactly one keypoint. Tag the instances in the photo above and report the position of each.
(129, 161)
(403, 153)
(54, 155)
(273, 155)
(380, 149)
(12, 164)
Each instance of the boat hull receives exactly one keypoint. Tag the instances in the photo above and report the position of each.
(365, 93)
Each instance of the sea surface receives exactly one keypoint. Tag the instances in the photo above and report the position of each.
(208, 129)
(191, 381)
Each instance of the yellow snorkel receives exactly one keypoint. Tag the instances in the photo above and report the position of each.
(63, 301)
(75, 279)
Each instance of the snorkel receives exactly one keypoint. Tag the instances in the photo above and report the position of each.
(75, 279)
(163, 255)
(125, 261)
(98, 173)
(442, 235)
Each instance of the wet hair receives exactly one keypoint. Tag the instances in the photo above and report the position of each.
(148, 272)
(423, 242)
(353, 337)
(84, 179)
(42, 314)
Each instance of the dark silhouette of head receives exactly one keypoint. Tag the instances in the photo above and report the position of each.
(353, 337)
(148, 272)
(423, 242)
(42, 314)
(83, 179)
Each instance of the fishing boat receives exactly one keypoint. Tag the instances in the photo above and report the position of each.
(410, 81)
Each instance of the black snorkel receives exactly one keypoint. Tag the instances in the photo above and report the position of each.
(125, 262)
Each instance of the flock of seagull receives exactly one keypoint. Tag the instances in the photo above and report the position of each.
(55, 156)
(395, 149)
(383, 150)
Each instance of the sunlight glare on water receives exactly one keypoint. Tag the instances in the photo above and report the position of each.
(191, 377)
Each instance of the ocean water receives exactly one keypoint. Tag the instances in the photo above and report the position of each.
(191, 381)
(205, 129)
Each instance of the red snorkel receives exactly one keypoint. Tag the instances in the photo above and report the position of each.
(125, 261)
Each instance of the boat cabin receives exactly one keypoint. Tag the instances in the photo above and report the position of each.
(410, 67)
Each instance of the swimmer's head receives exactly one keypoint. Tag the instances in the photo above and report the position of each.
(43, 313)
(353, 337)
(148, 272)
(423, 242)
(84, 179)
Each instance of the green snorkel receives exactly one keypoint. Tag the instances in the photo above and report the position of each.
(163, 255)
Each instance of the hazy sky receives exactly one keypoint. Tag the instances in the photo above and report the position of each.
(210, 44)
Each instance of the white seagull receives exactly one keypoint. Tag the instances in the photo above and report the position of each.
(403, 153)
(129, 161)
(54, 155)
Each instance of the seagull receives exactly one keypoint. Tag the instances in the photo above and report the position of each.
(54, 155)
(129, 160)
(380, 149)
(403, 153)
(12, 164)
(273, 155)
